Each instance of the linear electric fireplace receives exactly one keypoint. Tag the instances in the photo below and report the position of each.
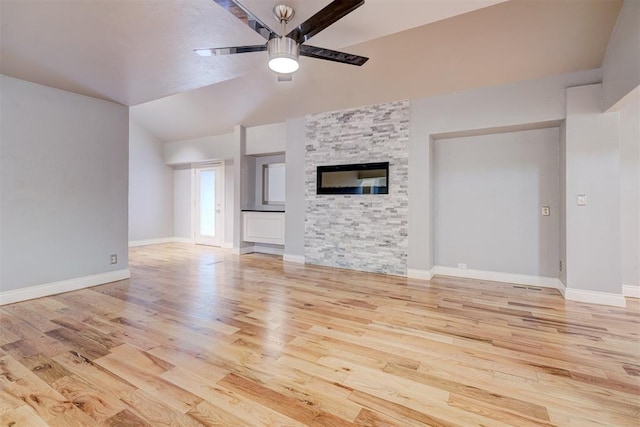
(363, 178)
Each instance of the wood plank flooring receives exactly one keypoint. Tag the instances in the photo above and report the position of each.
(202, 337)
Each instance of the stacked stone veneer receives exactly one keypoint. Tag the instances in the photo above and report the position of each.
(359, 232)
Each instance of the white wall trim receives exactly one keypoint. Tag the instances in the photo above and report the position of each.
(243, 250)
(38, 291)
(495, 276)
(631, 291)
(268, 250)
(160, 241)
(147, 242)
(593, 297)
(299, 259)
(163, 240)
(257, 248)
(188, 240)
(413, 273)
(562, 288)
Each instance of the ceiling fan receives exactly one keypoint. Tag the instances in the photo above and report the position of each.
(284, 50)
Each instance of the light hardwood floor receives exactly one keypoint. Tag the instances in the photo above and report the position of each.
(200, 336)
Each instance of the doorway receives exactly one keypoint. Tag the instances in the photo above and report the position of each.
(497, 203)
(209, 204)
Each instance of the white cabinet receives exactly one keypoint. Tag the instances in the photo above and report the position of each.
(263, 227)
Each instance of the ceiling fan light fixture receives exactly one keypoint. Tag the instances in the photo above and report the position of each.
(204, 52)
(283, 55)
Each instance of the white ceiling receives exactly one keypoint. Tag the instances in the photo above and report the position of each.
(135, 51)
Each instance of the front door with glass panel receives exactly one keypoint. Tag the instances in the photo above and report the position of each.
(209, 209)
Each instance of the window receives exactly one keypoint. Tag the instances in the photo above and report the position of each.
(273, 183)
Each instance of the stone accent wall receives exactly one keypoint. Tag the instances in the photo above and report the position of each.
(359, 232)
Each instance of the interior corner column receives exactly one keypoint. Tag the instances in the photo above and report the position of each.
(239, 149)
(592, 199)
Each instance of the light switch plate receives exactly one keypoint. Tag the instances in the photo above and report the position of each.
(581, 200)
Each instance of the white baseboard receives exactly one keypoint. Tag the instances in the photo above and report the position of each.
(227, 245)
(257, 248)
(413, 273)
(562, 288)
(243, 250)
(631, 291)
(147, 242)
(39, 291)
(593, 297)
(299, 259)
(188, 240)
(495, 276)
(268, 250)
(160, 241)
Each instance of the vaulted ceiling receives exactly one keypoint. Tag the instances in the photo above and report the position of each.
(139, 53)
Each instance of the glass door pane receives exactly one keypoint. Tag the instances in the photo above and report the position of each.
(208, 213)
(208, 203)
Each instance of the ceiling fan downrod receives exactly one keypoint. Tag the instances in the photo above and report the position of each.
(283, 51)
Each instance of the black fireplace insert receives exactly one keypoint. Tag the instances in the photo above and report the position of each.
(362, 178)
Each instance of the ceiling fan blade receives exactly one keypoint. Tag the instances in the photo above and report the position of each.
(215, 51)
(244, 15)
(328, 15)
(332, 55)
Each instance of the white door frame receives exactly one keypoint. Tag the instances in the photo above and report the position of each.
(220, 199)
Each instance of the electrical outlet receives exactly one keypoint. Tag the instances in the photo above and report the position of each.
(546, 211)
(462, 266)
(560, 265)
(581, 200)
(114, 259)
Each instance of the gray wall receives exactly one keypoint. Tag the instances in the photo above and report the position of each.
(208, 148)
(364, 232)
(64, 169)
(630, 190)
(182, 202)
(593, 165)
(266, 139)
(563, 204)
(488, 193)
(621, 64)
(150, 187)
(229, 166)
(420, 256)
(295, 202)
(240, 183)
(248, 188)
(488, 109)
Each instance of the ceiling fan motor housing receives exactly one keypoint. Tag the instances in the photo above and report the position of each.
(283, 54)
